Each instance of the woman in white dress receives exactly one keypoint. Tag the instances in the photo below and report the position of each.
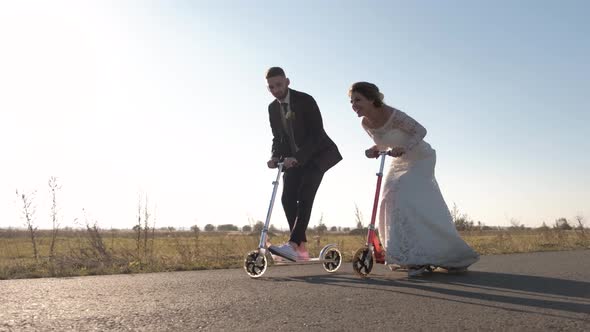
(415, 224)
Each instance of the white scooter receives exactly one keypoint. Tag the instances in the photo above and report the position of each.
(257, 261)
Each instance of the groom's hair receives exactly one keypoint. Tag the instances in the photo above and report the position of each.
(275, 71)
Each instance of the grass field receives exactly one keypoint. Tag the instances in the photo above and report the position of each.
(93, 251)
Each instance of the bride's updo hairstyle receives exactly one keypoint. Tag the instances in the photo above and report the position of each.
(369, 91)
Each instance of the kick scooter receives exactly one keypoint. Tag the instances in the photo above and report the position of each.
(373, 251)
(257, 261)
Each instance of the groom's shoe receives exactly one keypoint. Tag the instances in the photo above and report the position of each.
(278, 259)
(285, 251)
(303, 255)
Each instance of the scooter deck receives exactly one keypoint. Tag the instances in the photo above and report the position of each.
(314, 260)
(277, 254)
(289, 261)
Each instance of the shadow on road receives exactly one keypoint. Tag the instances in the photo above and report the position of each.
(497, 289)
(516, 283)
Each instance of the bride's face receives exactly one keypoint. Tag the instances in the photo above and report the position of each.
(360, 104)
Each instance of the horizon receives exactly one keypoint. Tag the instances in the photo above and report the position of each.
(167, 101)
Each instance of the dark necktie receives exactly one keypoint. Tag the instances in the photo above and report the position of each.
(288, 128)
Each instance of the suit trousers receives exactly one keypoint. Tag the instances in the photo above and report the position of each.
(300, 185)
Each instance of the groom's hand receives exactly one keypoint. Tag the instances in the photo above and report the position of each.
(290, 162)
(272, 163)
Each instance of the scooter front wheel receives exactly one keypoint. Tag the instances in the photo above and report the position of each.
(255, 264)
(362, 262)
(333, 260)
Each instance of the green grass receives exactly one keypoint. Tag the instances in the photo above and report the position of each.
(80, 252)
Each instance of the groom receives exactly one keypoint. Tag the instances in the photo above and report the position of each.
(307, 152)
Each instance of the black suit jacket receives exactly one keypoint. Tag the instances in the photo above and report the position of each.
(308, 130)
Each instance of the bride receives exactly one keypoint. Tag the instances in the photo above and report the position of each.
(415, 224)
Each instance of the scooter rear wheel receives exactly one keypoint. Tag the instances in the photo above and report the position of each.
(362, 262)
(335, 258)
(255, 264)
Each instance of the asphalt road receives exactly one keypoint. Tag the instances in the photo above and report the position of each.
(523, 292)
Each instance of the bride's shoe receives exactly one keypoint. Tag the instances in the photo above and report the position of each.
(456, 270)
(417, 271)
(396, 267)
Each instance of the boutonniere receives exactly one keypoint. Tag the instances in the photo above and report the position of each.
(290, 115)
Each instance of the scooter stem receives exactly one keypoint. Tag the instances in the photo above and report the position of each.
(378, 190)
(275, 184)
(372, 241)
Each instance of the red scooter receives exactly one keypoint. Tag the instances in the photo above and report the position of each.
(373, 251)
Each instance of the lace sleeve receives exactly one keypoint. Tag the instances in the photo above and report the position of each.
(409, 125)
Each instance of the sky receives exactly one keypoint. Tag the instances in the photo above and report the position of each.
(164, 104)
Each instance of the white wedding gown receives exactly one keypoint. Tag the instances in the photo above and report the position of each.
(415, 224)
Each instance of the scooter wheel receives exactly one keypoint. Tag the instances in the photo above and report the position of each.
(362, 262)
(255, 264)
(333, 258)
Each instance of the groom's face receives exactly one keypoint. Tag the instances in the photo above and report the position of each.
(278, 86)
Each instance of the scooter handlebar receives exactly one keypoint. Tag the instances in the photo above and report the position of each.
(377, 154)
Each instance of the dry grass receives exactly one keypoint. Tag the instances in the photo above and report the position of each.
(91, 252)
(515, 241)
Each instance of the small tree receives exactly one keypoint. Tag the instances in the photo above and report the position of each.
(29, 215)
(247, 229)
(580, 220)
(358, 216)
(209, 228)
(333, 229)
(461, 220)
(137, 229)
(258, 226)
(53, 188)
(455, 213)
(96, 242)
(562, 224)
(515, 224)
(321, 227)
(146, 227)
(227, 228)
(196, 230)
(463, 223)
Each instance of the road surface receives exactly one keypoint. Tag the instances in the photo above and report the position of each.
(521, 292)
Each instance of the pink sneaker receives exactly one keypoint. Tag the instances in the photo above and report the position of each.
(278, 259)
(285, 251)
(302, 255)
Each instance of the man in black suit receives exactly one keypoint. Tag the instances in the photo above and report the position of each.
(307, 152)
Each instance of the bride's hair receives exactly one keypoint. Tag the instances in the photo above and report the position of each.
(369, 91)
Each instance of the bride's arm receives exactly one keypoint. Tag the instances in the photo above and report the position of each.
(406, 123)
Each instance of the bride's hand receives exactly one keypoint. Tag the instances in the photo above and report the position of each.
(397, 151)
(372, 152)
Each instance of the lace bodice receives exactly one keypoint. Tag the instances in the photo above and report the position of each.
(400, 130)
